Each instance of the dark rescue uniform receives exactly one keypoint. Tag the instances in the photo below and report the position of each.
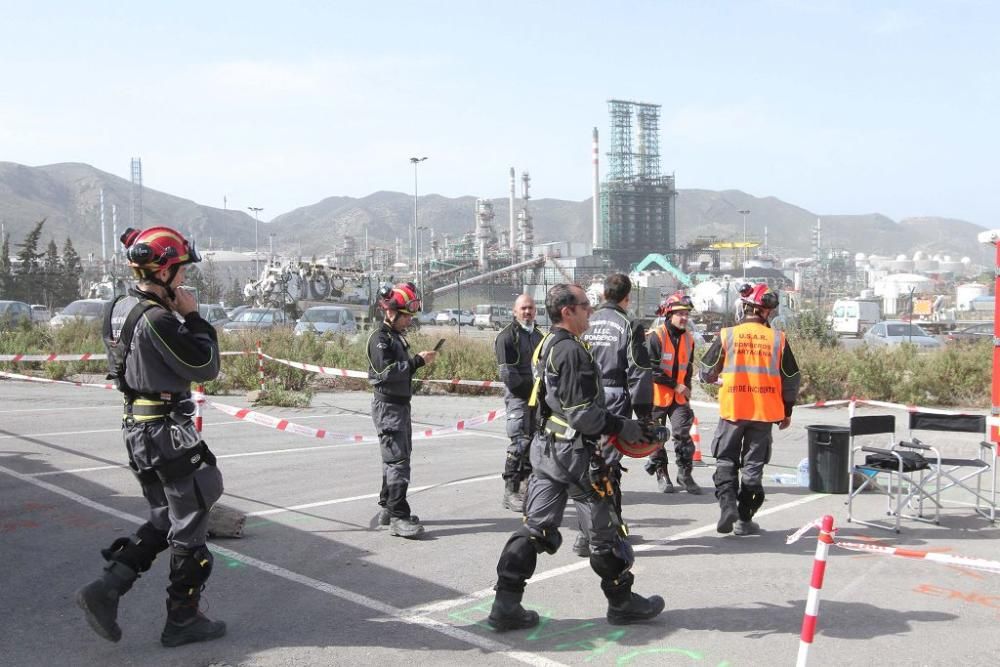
(745, 443)
(173, 464)
(513, 347)
(572, 417)
(390, 371)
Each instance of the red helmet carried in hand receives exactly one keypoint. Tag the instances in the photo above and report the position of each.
(403, 298)
(761, 295)
(675, 302)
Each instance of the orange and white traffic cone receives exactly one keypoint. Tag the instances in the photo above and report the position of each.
(696, 439)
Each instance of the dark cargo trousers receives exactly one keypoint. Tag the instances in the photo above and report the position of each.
(742, 448)
(560, 472)
(680, 417)
(395, 441)
(517, 467)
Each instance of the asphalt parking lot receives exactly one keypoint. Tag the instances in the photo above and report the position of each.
(316, 582)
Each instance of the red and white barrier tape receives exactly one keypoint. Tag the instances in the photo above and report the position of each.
(32, 378)
(344, 372)
(86, 356)
(936, 557)
(262, 419)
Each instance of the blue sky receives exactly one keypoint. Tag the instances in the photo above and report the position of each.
(838, 107)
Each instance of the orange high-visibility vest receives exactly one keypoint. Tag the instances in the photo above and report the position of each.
(751, 373)
(664, 396)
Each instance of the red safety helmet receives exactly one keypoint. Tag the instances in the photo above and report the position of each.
(403, 298)
(674, 302)
(762, 296)
(156, 248)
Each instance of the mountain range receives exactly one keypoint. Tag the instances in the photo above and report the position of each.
(67, 195)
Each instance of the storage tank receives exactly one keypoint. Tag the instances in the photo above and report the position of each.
(898, 284)
(715, 295)
(926, 265)
(965, 293)
(954, 266)
(902, 264)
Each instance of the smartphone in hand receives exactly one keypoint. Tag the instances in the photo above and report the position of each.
(439, 345)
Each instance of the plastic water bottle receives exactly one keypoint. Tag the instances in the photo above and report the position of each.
(786, 479)
(804, 472)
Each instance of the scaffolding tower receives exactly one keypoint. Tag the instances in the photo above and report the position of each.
(135, 196)
(638, 210)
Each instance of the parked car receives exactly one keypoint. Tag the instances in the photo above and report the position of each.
(85, 310)
(236, 310)
(893, 333)
(14, 312)
(455, 316)
(213, 313)
(971, 334)
(256, 318)
(40, 312)
(426, 318)
(327, 319)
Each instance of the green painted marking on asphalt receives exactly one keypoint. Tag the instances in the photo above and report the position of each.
(624, 659)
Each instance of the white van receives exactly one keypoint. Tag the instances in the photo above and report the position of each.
(853, 317)
(492, 316)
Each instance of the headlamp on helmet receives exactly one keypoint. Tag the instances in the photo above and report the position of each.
(402, 298)
(678, 301)
(761, 296)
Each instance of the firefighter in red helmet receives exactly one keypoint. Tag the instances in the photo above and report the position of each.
(157, 346)
(760, 381)
(391, 368)
(671, 352)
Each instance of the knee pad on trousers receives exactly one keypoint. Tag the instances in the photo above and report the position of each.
(517, 563)
(139, 551)
(543, 538)
(613, 571)
(725, 472)
(189, 570)
(749, 500)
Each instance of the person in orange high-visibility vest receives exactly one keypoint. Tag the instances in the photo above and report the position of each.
(671, 352)
(760, 381)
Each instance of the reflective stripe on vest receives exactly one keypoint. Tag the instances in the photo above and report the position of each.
(751, 373)
(664, 396)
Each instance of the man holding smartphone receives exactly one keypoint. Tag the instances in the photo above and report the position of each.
(390, 371)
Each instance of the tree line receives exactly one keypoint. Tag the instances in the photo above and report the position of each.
(40, 276)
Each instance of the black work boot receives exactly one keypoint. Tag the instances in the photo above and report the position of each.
(511, 499)
(634, 609)
(384, 517)
(186, 625)
(508, 614)
(729, 515)
(408, 527)
(663, 482)
(685, 479)
(99, 599)
(746, 527)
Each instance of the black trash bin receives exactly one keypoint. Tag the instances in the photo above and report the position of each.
(829, 458)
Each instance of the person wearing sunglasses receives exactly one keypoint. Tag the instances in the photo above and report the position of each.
(391, 368)
(760, 382)
(671, 346)
(567, 462)
(158, 344)
(618, 344)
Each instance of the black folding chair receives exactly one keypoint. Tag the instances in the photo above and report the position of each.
(909, 468)
(957, 473)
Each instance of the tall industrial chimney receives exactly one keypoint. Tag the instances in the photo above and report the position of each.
(513, 227)
(597, 196)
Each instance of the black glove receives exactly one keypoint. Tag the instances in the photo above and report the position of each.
(599, 477)
(631, 431)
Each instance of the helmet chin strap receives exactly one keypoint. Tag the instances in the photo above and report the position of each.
(151, 277)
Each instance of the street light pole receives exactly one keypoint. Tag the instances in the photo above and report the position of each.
(256, 239)
(744, 212)
(415, 161)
